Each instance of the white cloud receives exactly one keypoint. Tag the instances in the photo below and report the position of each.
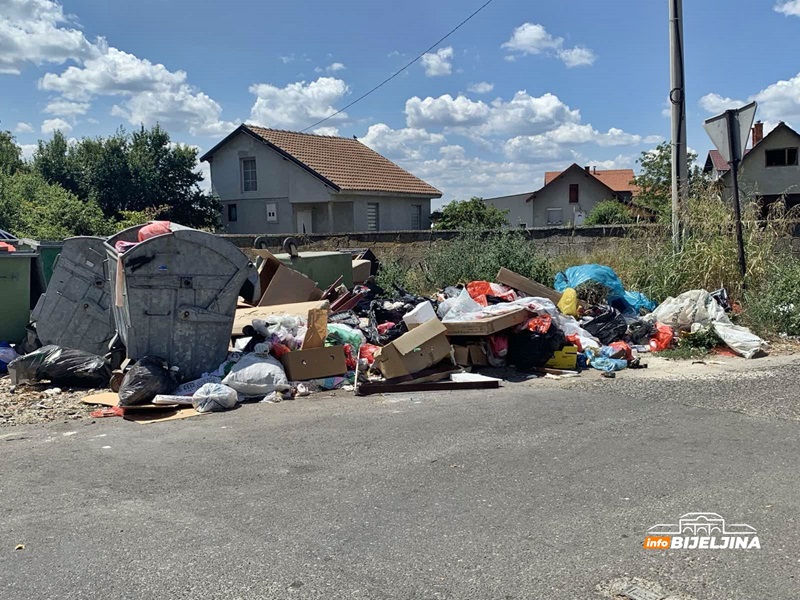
(51, 125)
(28, 150)
(333, 67)
(66, 108)
(406, 143)
(533, 39)
(788, 7)
(480, 88)
(23, 127)
(577, 57)
(327, 131)
(438, 63)
(33, 32)
(454, 151)
(522, 115)
(297, 105)
(714, 103)
(151, 93)
(557, 142)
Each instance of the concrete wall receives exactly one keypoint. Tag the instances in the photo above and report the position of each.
(556, 195)
(520, 212)
(757, 179)
(394, 212)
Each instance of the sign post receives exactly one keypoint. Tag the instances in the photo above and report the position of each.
(729, 132)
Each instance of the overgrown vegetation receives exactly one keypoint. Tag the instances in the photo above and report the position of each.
(775, 306)
(469, 214)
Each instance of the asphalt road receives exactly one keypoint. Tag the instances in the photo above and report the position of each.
(540, 490)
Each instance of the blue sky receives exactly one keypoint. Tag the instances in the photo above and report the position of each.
(526, 86)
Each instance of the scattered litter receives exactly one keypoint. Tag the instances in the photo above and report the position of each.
(20, 547)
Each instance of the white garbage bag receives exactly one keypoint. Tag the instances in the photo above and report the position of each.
(695, 306)
(257, 375)
(214, 397)
(739, 339)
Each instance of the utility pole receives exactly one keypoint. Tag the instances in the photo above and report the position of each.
(737, 152)
(677, 98)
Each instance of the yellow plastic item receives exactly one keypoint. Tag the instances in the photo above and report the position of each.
(568, 305)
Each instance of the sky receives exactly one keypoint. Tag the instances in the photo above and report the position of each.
(524, 87)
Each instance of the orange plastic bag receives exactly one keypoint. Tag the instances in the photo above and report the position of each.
(478, 290)
(622, 346)
(153, 229)
(662, 339)
(540, 324)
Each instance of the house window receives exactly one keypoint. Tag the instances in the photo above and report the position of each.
(249, 179)
(373, 217)
(416, 216)
(783, 157)
(555, 216)
(232, 215)
(523, 225)
(574, 193)
(272, 212)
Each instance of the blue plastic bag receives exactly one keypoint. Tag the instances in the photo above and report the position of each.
(626, 302)
(604, 363)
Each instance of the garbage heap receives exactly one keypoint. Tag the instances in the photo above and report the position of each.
(192, 325)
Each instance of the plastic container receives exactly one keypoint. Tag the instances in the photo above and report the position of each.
(174, 296)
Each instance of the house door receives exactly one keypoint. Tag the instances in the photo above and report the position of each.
(304, 221)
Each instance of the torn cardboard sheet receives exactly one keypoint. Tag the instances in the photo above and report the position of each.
(487, 325)
(282, 285)
(317, 329)
(146, 418)
(245, 316)
(528, 286)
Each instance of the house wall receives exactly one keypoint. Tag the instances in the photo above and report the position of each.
(756, 179)
(279, 181)
(556, 195)
(394, 212)
(520, 212)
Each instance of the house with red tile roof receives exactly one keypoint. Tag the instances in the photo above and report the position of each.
(567, 196)
(274, 181)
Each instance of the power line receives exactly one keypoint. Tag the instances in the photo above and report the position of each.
(388, 79)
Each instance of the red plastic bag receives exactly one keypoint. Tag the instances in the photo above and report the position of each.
(540, 324)
(7, 247)
(478, 290)
(367, 352)
(575, 340)
(384, 327)
(622, 346)
(498, 344)
(662, 339)
(153, 229)
(279, 350)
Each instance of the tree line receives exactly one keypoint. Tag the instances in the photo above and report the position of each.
(97, 186)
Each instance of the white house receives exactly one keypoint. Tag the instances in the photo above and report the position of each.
(567, 196)
(273, 181)
(769, 170)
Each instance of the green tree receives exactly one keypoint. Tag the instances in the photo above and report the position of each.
(609, 212)
(10, 154)
(655, 178)
(470, 214)
(54, 161)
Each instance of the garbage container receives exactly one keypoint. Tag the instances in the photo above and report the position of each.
(75, 311)
(48, 252)
(174, 296)
(324, 268)
(15, 293)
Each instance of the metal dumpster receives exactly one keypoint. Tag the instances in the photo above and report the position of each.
(15, 293)
(48, 253)
(174, 296)
(75, 312)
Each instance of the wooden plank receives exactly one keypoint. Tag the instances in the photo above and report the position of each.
(530, 287)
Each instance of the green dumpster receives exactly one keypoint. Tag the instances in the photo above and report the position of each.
(15, 293)
(48, 252)
(324, 268)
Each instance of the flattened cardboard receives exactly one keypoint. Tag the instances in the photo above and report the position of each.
(283, 285)
(146, 418)
(489, 325)
(414, 351)
(566, 358)
(302, 365)
(245, 316)
(111, 399)
(528, 286)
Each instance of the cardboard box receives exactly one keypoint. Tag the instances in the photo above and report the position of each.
(489, 325)
(566, 358)
(282, 285)
(414, 351)
(470, 355)
(245, 316)
(302, 365)
(421, 313)
(362, 269)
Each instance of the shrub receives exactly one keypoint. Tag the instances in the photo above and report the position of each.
(609, 212)
(775, 306)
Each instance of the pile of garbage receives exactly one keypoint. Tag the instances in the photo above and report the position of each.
(179, 322)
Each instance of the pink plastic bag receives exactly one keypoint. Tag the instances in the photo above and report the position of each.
(153, 229)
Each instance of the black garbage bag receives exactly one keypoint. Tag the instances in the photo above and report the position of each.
(528, 349)
(640, 331)
(63, 366)
(347, 317)
(608, 325)
(379, 314)
(145, 380)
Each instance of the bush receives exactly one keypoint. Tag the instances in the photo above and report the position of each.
(609, 212)
(472, 214)
(775, 306)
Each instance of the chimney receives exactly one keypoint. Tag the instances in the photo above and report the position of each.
(758, 132)
(595, 171)
(588, 169)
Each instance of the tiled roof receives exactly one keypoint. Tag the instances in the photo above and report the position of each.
(346, 162)
(619, 180)
(720, 164)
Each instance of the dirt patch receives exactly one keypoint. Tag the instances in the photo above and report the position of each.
(41, 403)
